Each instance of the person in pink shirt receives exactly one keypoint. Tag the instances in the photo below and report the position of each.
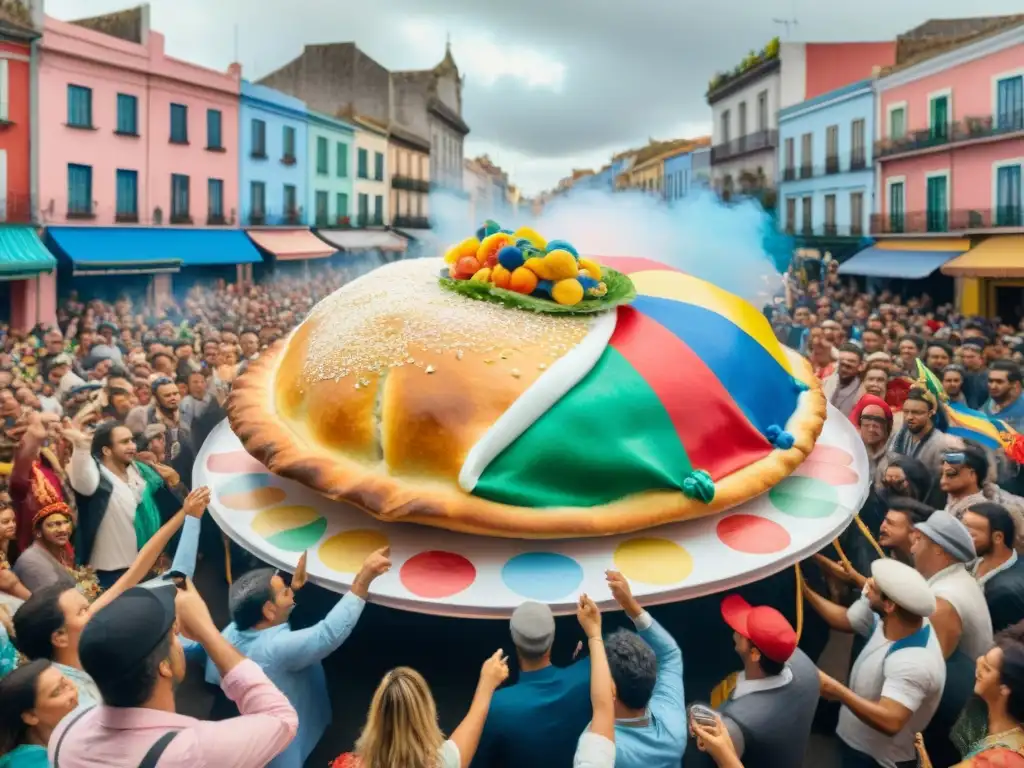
(132, 652)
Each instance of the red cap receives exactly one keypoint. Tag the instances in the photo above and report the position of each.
(765, 627)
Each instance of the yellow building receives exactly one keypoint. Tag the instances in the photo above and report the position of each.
(647, 171)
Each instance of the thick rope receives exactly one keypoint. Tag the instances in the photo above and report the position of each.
(799, 602)
(922, 753)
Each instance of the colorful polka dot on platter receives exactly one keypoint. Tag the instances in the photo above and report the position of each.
(250, 492)
(291, 528)
(542, 576)
(651, 560)
(805, 497)
(232, 462)
(752, 534)
(436, 574)
(346, 551)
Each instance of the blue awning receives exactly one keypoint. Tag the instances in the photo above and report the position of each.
(22, 254)
(94, 250)
(886, 262)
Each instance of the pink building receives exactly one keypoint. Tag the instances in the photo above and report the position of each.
(950, 151)
(132, 139)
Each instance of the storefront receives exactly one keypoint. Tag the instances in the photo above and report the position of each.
(422, 242)
(364, 249)
(907, 266)
(289, 249)
(145, 259)
(990, 278)
(28, 278)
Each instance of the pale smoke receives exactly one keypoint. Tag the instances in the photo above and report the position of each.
(699, 235)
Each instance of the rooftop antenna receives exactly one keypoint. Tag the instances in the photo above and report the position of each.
(236, 42)
(787, 23)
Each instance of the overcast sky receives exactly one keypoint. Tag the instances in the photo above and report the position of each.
(551, 85)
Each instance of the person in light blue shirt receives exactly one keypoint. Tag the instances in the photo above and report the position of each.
(260, 603)
(647, 674)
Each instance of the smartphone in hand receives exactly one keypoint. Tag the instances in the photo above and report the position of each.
(702, 715)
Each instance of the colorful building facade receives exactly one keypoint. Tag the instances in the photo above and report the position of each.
(371, 177)
(950, 153)
(826, 169)
(330, 151)
(140, 148)
(27, 270)
(273, 150)
(409, 164)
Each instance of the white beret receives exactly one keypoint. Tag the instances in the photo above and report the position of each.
(904, 586)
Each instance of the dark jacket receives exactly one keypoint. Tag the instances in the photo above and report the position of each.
(92, 509)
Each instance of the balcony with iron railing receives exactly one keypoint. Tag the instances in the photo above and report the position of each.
(18, 209)
(968, 131)
(409, 184)
(826, 230)
(745, 145)
(833, 165)
(411, 222)
(288, 217)
(948, 222)
(369, 220)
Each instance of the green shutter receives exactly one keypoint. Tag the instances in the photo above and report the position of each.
(938, 205)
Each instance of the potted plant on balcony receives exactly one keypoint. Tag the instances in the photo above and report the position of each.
(344, 221)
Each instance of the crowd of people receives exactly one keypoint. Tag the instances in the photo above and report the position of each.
(101, 530)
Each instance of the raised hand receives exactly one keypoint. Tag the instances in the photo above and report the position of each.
(588, 616)
(377, 564)
(196, 502)
(495, 670)
(300, 577)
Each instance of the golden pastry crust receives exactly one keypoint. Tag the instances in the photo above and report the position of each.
(323, 435)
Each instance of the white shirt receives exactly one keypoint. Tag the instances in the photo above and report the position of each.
(911, 672)
(594, 751)
(958, 587)
(116, 545)
(744, 686)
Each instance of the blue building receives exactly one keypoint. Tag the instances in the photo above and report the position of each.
(273, 149)
(678, 175)
(826, 168)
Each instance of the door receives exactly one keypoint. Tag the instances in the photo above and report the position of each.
(3, 185)
(896, 207)
(940, 118)
(1009, 207)
(938, 204)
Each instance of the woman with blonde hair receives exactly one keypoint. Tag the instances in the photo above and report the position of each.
(401, 727)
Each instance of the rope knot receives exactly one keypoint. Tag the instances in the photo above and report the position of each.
(699, 485)
(779, 437)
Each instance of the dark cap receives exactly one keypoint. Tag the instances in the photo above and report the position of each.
(122, 635)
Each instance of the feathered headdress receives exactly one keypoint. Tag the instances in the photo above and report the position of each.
(49, 501)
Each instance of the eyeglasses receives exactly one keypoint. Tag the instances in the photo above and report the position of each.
(955, 458)
(879, 420)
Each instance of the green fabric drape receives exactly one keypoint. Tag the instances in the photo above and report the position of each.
(147, 513)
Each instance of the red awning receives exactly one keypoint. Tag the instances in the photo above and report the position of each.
(291, 244)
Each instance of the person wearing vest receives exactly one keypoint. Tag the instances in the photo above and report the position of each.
(897, 680)
(121, 502)
(771, 708)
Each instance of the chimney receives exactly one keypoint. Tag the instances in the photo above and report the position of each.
(37, 11)
(235, 70)
(144, 24)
